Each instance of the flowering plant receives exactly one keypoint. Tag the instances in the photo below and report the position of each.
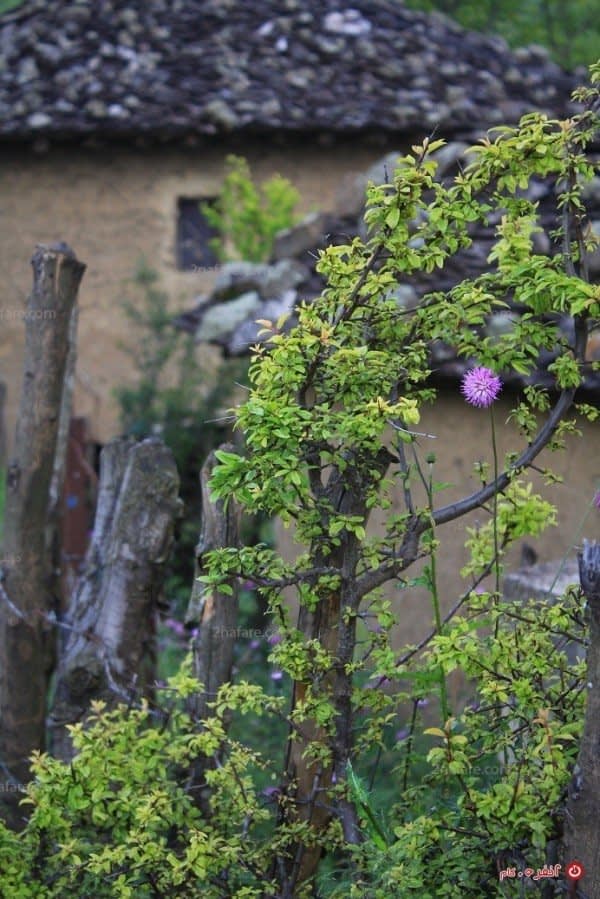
(481, 387)
(330, 438)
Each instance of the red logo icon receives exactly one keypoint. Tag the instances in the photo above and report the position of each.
(575, 870)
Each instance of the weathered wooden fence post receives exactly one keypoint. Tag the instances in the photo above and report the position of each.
(26, 602)
(2, 458)
(60, 459)
(582, 832)
(108, 649)
(2, 426)
(213, 614)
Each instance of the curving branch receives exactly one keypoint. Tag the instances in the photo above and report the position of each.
(477, 499)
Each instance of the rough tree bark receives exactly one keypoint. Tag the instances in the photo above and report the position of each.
(582, 831)
(60, 459)
(109, 642)
(308, 781)
(212, 614)
(2, 425)
(26, 602)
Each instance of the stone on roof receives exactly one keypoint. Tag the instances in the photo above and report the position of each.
(204, 67)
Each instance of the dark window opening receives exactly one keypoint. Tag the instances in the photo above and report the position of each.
(193, 235)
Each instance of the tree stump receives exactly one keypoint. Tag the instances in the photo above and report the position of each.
(109, 632)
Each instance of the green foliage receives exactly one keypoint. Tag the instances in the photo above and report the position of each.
(118, 823)
(331, 422)
(7, 5)
(519, 513)
(249, 217)
(330, 428)
(491, 764)
(568, 28)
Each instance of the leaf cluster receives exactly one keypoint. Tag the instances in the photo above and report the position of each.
(248, 217)
(118, 820)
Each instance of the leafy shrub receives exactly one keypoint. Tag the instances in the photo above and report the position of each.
(331, 428)
(118, 822)
(248, 217)
(493, 798)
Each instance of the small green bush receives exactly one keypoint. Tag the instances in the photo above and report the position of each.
(118, 821)
(249, 217)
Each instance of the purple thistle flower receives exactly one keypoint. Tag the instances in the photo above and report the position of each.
(597, 500)
(274, 638)
(481, 386)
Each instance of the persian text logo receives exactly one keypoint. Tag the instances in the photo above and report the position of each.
(575, 870)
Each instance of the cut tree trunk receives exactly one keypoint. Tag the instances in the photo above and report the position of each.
(2, 427)
(26, 601)
(53, 525)
(109, 638)
(211, 614)
(582, 830)
(2, 458)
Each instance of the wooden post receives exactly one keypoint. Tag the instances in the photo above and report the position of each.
(582, 834)
(213, 614)
(2, 458)
(26, 633)
(110, 629)
(2, 426)
(77, 505)
(53, 524)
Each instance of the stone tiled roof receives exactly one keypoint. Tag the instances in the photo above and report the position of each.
(173, 68)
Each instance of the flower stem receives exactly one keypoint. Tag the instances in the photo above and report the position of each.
(435, 598)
